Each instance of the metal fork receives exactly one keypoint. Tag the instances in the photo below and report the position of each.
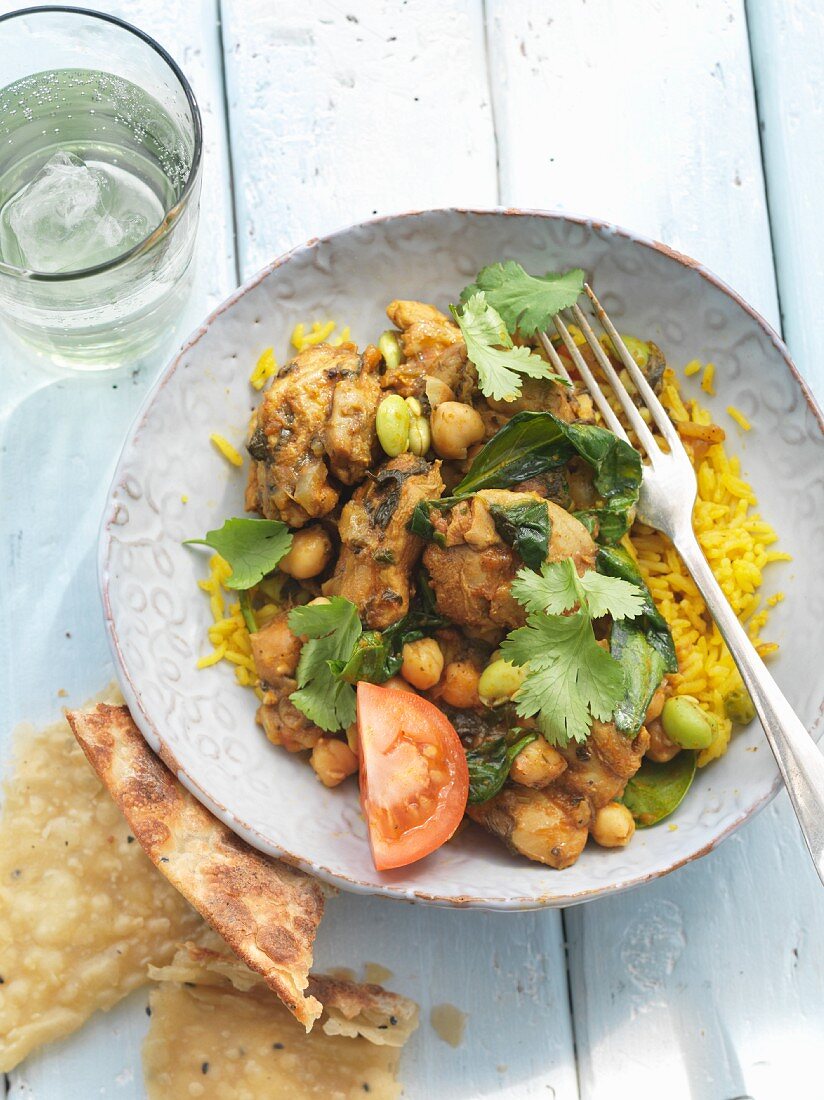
(668, 492)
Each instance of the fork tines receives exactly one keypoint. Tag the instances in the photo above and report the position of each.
(634, 418)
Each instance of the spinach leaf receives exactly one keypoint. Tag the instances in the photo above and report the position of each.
(614, 561)
(534, 442)
(378, 656)
(253, 548)
(420, 522)
(372, 659)
(656, 790)
(528, 445)
(526, 528)
(643, 668)
(490, 762)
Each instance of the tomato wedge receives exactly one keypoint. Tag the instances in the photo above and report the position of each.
(414, 781)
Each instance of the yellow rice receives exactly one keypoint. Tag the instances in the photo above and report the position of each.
(226, 449)
(738, 417)
(734, 537)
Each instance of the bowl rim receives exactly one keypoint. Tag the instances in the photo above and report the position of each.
(131, 692)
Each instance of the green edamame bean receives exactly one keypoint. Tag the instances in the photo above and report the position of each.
(392, 424)
(738, 706)
(685, 723)
(499, 681)
(390, 348)
(420, 436)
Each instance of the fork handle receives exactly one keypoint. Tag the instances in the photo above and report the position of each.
(800, 762)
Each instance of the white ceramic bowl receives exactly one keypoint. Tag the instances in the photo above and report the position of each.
(203, 723)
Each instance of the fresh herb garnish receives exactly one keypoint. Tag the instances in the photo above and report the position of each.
(570, 679)
(534, 442)
(252, 547)
(643, 645)
(490, 762)
(613, 561)
(333, 629)
(525, 302)
(643, 668)
(489, 346)
(526, 528)
(656, 790)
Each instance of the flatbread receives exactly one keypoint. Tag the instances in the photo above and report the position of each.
(350, 1008)
(267, 911)
(82, 910)
(219, 1044)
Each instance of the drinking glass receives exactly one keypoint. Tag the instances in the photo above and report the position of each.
(100, 151)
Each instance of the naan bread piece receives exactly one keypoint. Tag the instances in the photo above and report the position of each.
(267, 911)
(350, 1008)
(220, 1044)
(82, 910)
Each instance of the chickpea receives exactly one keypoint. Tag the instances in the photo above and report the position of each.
(460, 684)
(536, 765)
(499, 681)
(422, 663)
(397, 683)
(455, 427)
(656, 705)
(310, 553)
(437, 392)
(333, 761)
(660, 749)
(612, 826)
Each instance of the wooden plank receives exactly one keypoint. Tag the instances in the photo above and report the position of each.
(704, 984)
(787, 39)
(52, 500)
(641, 114)
(340, 113)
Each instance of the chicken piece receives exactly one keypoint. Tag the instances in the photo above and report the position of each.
(432, 345)
(549, 826)
(378, 552)
(537, 395)
(276, 652)
(472, 588)
(599, 768)
(472, 574)
(317, 417)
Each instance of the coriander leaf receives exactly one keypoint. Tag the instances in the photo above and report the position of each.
(570, 678)
(333, 630)
(558, 588)
(252, 547)
(490, 762)
(555, 590)
(525, 302)
(489, 347)
(526, 527)
(656, 790)
(611, 596)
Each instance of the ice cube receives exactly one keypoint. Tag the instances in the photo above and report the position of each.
(74, 215)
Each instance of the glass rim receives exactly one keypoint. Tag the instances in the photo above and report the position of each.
(170, 216)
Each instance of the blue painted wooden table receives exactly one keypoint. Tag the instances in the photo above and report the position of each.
(698, 122)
